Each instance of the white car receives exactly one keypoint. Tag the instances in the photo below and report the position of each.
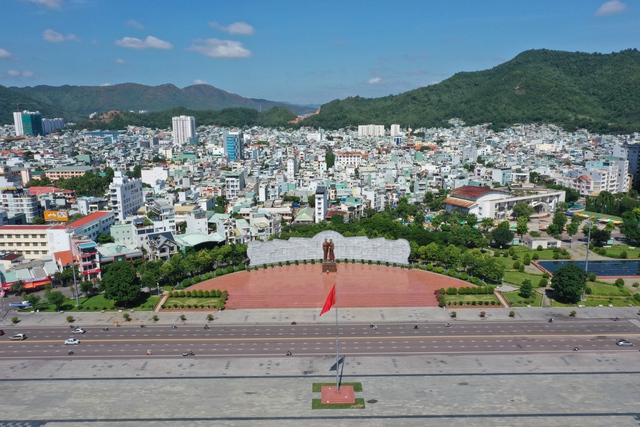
(18, 337)
(78, 331)
(625, 343)
(72, 341)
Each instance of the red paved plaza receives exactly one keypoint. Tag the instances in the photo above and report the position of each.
(304, 286)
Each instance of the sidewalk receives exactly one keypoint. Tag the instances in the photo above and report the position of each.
(346, 315)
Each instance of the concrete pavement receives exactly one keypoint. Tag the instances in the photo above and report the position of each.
(346, 315)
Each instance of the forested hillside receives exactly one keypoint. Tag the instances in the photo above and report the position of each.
(573, 90)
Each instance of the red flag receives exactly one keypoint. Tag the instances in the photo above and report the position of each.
(331, 300)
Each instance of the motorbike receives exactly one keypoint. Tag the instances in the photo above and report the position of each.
(188, 353)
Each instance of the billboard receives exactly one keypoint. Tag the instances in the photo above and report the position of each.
(56, 216)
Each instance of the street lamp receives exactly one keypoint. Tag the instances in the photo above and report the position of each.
(73, 266)
(586, 263)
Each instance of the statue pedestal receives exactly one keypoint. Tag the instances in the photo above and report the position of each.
(330, 267)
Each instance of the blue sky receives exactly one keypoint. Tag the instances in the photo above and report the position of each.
(299, 51)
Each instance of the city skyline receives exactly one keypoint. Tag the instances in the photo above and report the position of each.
(299, 52)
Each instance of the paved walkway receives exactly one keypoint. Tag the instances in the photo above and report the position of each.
(346, 315)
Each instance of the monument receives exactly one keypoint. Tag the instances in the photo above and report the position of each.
(329, 259)
(360, 248)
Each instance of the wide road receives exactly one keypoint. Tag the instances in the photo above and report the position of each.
(479, 337)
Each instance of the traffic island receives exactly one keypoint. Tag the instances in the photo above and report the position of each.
(334, 398)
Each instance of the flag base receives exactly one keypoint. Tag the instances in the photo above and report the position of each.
(331, 396)
(329, 267)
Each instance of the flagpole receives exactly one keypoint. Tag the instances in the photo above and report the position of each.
(337, 342)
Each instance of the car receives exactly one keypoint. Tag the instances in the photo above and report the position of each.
(625, 343)
(72, 341)
(78, 331)
(1, 332)
(18, 337)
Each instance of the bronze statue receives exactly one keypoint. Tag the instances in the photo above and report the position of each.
(325, 249)
(332, 258)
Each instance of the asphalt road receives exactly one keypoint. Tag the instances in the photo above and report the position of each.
(305, 340)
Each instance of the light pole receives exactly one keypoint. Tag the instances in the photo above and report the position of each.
(586, 263)
(73, 266)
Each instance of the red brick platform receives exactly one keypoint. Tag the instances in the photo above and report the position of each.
(305, 286)
(331, 395)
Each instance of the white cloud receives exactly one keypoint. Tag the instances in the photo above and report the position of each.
(241, 28)
(216, 48)
(149, 42)
(51, 4)
(13, 73)
(198, 82)
(135, 24)
(56, 37)
(52, 36)
(28, 74)
(120, 61)
(4, 53)
(374, 80)
(105, 84)
(611, 8)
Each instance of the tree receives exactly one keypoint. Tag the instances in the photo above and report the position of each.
(311, 201)
(38, 220)
(486, 223)
(572, 228)
(104, 238)
(502, 236)
(526, 290)
(631, 224)
(568, 283)
(17, 287)
(86, 287)
(522, 226)
(472, 220)
(559, 220)
(600, 237)
(120, 283)
(56, 298)
(523, 209)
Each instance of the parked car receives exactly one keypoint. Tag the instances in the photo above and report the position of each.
(18, 337)
(625, 343)
(72, 341)
(78, 331)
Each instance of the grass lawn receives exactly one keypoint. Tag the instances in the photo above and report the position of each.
(596, 214)
(98, 303)
(317, 404)
(615, 251)
(516, 300)
(517, 278)
(190, 302)
(606, 289)
(616, 302)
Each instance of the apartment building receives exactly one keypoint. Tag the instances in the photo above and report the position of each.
(125, 195)
(66, 172)
(184, 128)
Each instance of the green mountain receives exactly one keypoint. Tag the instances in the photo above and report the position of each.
(80, 101)
(596, 91)
(11, 101)
(233, 117)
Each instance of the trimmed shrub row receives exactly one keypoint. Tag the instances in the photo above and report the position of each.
(215, 293)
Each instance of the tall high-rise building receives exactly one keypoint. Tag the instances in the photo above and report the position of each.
(184, 128)
(28, 123)
(234, 146)
(125, 195)
(322, 204)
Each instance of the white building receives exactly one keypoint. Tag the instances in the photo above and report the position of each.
(125, 195)
(292, 168)
(184, 128)
(370, 130)
(322, 203)
(348, 158)
(395, 130)
(151, 176)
